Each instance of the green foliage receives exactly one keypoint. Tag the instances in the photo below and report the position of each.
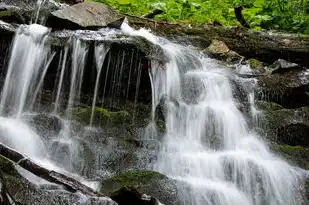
(286, 15)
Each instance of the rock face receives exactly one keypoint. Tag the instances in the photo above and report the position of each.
(289, 89)
(285, 126)
(83, 15)
(146, 182)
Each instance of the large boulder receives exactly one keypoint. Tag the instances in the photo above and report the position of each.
(289, 89)
(285, 126)
(82, 16)
(146, 182)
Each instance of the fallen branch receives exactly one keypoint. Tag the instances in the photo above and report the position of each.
(240, 17)
(68, 183)
(153, 13)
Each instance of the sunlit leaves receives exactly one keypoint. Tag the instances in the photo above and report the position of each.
(288, 15)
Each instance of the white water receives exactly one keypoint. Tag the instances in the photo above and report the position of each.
(100, 54)
(29, 57)
(208, 146)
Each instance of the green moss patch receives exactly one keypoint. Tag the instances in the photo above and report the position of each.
(255, 64)
(130, 179)
(7, 167)
(265, 105)
(101, 115)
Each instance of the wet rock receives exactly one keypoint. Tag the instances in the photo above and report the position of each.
(146, 182)
(129, 196)
(83, 15)
(289, 89)
(285, 126)
(297, 155)
(281, 66)
(25, 12)
(46, 125)
(256, 66)
(101, 116)
(219, 50)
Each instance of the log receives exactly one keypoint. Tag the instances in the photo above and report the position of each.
(68, 183)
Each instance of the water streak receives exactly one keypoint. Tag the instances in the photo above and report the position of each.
(100, 53)
(29, 57)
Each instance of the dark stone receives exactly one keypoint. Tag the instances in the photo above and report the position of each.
(130, 196)
(148, 182)
(289, 89)
(281, 66)
(285, 126)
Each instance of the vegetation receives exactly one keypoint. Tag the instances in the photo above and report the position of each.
(286, 15)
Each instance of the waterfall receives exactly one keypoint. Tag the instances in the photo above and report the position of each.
(29, 56)
(208, 147)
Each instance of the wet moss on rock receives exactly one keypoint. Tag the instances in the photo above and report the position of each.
(102, 116)
(265, 105)
(8, 167)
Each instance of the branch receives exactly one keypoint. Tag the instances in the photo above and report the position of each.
(240, 17)
(68, 183)
(153, 13)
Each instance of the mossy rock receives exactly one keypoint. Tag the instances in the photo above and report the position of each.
(146, 182)
(255, 64)
(265, 105)
(296, 155)
(102, 116)
(8, 167)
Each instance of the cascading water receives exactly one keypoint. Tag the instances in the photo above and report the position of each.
(208, 146)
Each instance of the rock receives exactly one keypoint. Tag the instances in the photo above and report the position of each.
(26, 193)
(25, 12)
(256, 66)
(285, 126)
(102, 116)
(297, 155)
(129, 196)
(82, 16)
(46, 125)
(219, 50)
(289, 89)
(146, 182)
(281, 66)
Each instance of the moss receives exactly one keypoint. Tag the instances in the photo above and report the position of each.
(101, 115)
(7, 167)
(255, 64)
(278, 118)
(265, 105)
(292, 151)
(130, 179)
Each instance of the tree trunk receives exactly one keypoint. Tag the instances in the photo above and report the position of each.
(68, 183)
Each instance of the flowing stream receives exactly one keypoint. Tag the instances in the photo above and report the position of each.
(208, 146)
